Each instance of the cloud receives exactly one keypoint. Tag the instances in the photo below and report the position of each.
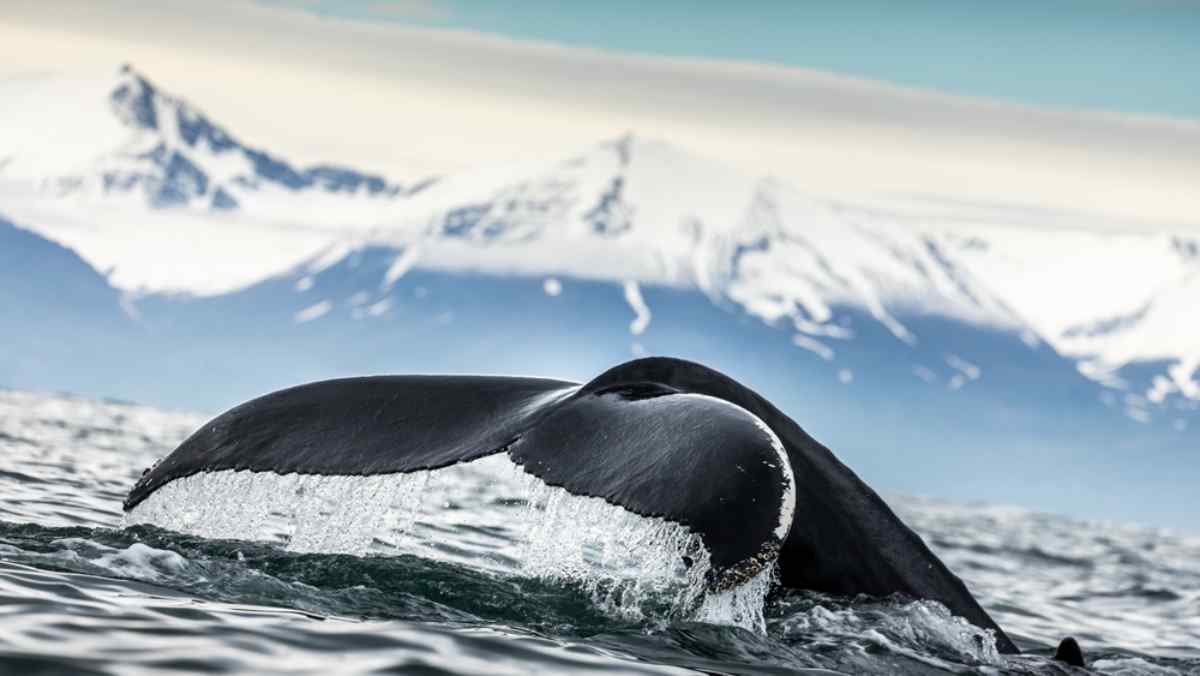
(418, 10)
(410, 101)
(421, 10)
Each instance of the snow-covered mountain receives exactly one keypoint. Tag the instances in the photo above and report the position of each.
(126, 138)
(149, 190)
(1124, 307)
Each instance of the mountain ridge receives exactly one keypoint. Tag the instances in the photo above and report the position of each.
(635, 212)
(166, 151)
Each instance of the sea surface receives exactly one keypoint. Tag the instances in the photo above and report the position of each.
(459, 588)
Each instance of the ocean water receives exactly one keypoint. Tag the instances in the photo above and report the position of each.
(476, 572)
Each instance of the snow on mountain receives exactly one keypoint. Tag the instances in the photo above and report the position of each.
(638, 211)
(173, 251)
(149, 190)
(124, 137)
(1107, 300)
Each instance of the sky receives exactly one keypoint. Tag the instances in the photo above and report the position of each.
(1118, 55)
(1081, 107)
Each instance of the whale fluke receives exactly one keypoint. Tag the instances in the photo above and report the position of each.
(658, 437)
(691, 459)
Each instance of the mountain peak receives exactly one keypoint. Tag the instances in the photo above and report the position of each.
(133, 99)
(133, 139)
(139, 104)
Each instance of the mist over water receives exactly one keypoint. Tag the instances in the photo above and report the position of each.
(473, 572)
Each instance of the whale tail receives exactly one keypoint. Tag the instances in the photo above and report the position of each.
(655, 451)
(660, 438)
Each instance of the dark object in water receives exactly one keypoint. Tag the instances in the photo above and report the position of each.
(659, 437)
(1070, 653)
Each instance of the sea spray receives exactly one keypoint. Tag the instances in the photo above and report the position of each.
(740, 606)
(624, 560)
(633, 567)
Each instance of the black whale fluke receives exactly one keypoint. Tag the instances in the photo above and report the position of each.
(659, 437)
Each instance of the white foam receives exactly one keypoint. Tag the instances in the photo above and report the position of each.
(137, 561)
(1131, 666)
(916, 629)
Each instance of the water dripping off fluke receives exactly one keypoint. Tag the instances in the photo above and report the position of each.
(486, 513)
